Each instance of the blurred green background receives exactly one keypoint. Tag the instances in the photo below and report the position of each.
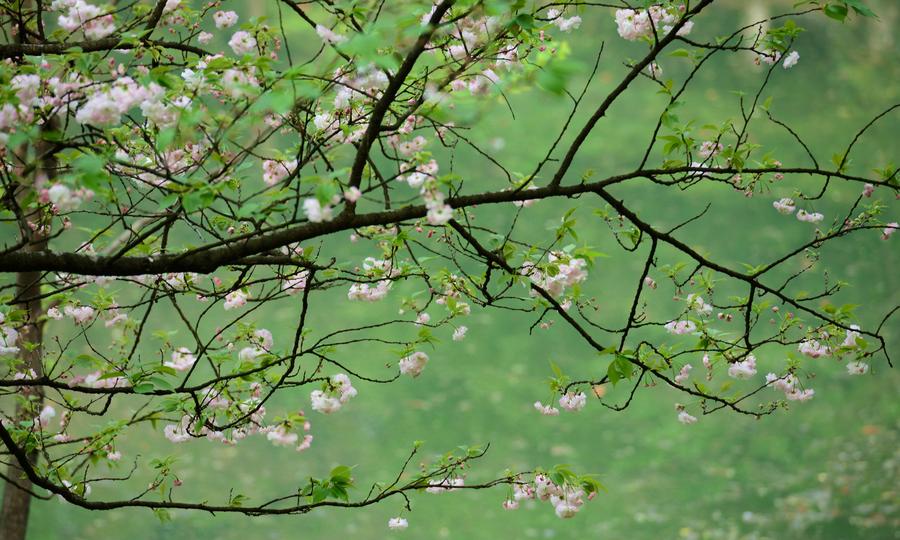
(827, 469)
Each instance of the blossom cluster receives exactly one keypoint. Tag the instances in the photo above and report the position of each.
(337, 393)
(635, 24)
(566, 499)
(561, 272)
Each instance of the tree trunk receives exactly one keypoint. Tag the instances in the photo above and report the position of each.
(16, 497)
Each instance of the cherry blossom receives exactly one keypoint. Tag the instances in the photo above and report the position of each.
(413, 364)
(236, 299)
(813, 349)
(684, 374)
(681, 327)
(709, 149)
(182, 359)
(84, 16)
(791, 60)
(785, 206)
(572, 401)
(315, 211)
(276, 171)
(242, 43)
(225, 19)
(328, 35)
(445, 485)
(460, 333)
(546, 410)
(857, 368)
(398, 523)
(743, 369)
(808, 217)
(683, 416)
(851, 337)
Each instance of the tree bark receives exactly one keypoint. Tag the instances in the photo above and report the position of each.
(16, 497)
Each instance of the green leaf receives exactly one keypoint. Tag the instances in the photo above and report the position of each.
(341, 472)
(320, 493)
(198, 199)
(524, 21)
(91, 169)
(620, 368)
(860, 8)
(837, 12)
(144, 388)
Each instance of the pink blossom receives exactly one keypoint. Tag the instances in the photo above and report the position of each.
(368, 293)
(353, 194)
(98, 379)
(296, 283)
(743, 369)
(345, 389)
(182, 359)
(179, 433)
(89, 18)
(445, 485)
(768, 56)
(683, 416)
(328, 35)
(413, 364)
(800, 395)
(851, 336)
(696, 302)
(46, 415)
(81, 314)
(397, 524)
(305, 443)
(315, 212)
(439, 214)
(276, 171)
(709, 149)
(546, 410)
(225, 19)
(460, 333)
(573, 402)
(523, 492)
(280, 436)
(813, 349)
(808, 217)
(791, 60)
(681, 327)
(236, 299)
(8, 338)
(785, 206)
(684, 374)
(857, 368)
(242, 43)
(323, 403)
